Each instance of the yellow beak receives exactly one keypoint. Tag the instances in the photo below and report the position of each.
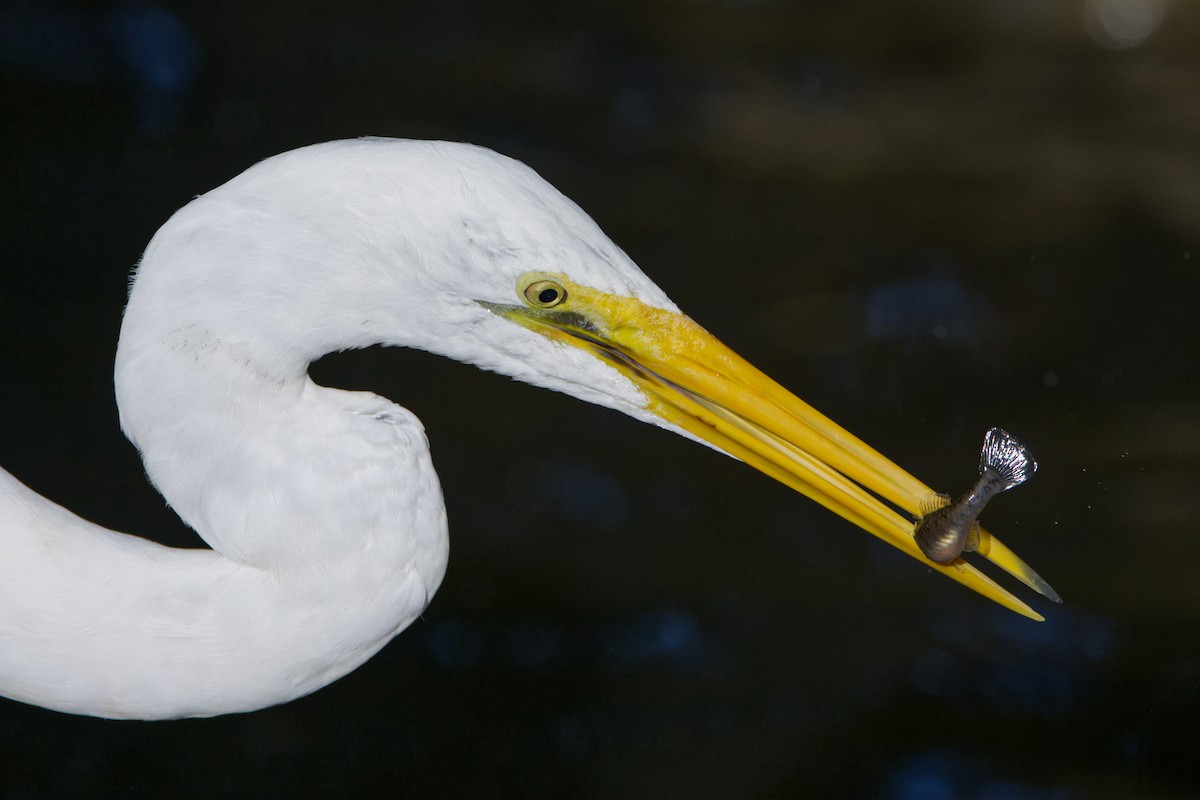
(696, 383)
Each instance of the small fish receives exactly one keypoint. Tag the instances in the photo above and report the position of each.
(944, 533)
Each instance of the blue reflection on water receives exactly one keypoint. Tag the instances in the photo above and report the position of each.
(665, 636)
(929, 776)
(670, 638)
(943, 774)
(51, 42)
(165, 58)
(1012, 665)
(144, 48)
(455, 645)
(582, 494)
(532, 646)
(160, 48)
(923, 309)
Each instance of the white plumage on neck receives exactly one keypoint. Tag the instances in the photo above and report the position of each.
(321, 505)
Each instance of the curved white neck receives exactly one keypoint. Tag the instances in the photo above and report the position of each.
(327, 511)
(322, 506)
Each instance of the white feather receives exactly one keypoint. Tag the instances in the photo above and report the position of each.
(321, 506)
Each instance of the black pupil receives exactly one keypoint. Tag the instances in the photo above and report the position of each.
(547, 296)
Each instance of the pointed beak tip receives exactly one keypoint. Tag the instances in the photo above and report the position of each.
(699, 386)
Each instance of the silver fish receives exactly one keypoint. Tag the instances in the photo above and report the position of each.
(945, 533)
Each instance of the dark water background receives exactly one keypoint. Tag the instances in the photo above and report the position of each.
(925, 218)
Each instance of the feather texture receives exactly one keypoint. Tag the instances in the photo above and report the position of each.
(322, 508)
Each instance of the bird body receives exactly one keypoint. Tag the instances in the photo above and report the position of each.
(321, 506)
(329, 533)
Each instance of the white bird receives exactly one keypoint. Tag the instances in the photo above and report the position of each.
(321, 506)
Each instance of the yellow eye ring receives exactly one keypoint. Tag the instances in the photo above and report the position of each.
(545, 294)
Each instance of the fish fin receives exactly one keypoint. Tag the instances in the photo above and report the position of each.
(933, 502)
(971, 544)
(1012, 463)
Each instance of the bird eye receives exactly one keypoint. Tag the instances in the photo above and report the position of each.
(545, 294)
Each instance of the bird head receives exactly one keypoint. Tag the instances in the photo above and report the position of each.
(565, 308)
(463, 252)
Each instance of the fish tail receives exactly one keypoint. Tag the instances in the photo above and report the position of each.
(1012, 463)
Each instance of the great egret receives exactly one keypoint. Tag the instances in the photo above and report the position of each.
(321, 506)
